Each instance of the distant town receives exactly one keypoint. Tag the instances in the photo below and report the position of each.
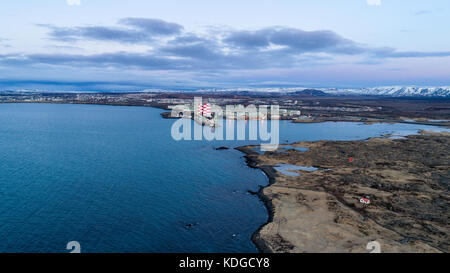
(304, 106)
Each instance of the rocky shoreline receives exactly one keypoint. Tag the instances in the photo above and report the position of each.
(407, 181)
(270, 172)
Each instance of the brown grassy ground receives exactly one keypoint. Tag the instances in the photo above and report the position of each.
(407, 180)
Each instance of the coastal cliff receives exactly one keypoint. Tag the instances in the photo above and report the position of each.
(405, 181)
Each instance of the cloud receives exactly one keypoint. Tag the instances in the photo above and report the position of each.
(153, 26)
(96, 33)
(249, 39)
(194, 58)
(373, 2)
(131, 30)
(422, 12)
(73, 2)
(196, 51)
(175, 49)
(150, 31)
(415, 54)
(2, 43)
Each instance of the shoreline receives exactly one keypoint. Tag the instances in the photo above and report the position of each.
(270, 172)
(164, 115)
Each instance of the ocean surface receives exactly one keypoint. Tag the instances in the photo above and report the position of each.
(113, 179)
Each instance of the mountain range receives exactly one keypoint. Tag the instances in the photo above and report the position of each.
(387, 91)
(395, 91)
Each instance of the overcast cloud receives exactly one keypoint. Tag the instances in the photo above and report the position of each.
(172, 48)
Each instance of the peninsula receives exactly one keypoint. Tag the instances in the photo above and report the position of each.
(392, 191)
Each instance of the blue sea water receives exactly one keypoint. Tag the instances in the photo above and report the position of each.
(113, 179)
(289, 169)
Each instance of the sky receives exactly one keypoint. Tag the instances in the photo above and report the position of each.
(144, 44)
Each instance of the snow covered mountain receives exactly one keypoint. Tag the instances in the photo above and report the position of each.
(391, 91)
(395, 91)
